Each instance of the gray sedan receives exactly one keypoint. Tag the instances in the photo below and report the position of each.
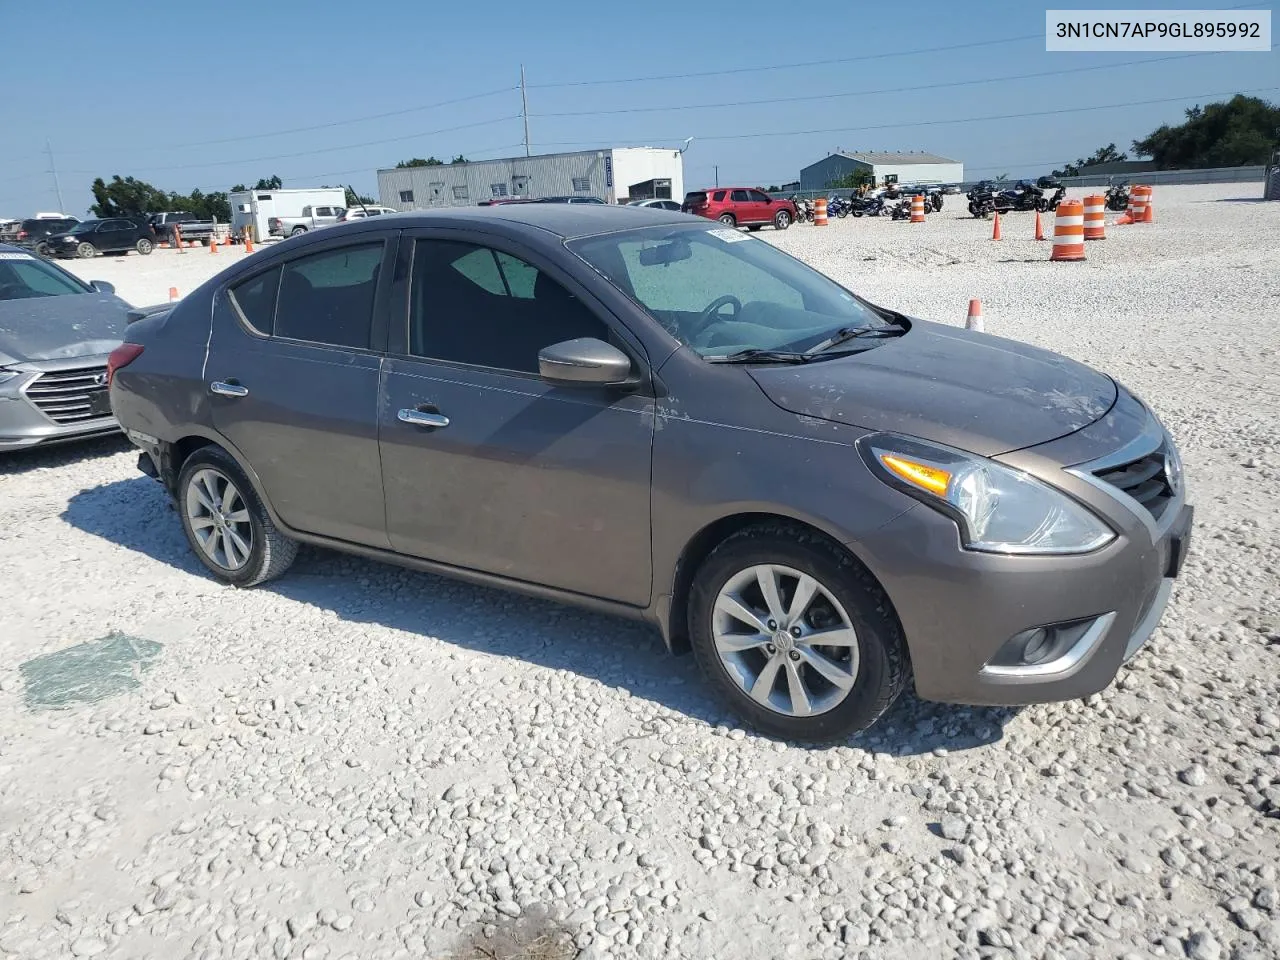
(55, 334)
(661, 418)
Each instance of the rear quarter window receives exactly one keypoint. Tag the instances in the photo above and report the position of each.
(255, 300)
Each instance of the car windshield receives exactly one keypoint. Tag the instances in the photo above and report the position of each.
(720, 291)
(23, 277)
(87, 226)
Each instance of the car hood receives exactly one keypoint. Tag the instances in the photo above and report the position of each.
(55, 328)
(978, 392)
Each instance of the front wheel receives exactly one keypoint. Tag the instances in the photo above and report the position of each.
(781, 220)
(842, 212)
(226, 524)
(145, 246)
(86, 251)
(42, 248)
(795, 635)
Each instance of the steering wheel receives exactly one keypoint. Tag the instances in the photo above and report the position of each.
(710, 313)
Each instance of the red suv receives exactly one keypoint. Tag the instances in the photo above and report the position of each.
(748, 207)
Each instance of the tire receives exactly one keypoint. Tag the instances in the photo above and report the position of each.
(781, 220)
(882, 667)
(145, 246)
(86, 251)
(296, 231)
(728, 219)
(210, 472)
(842, 212)
(42, 249)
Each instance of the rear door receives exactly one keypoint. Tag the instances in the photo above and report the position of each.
(113, 235)
(741, 206)
(535, 482)
(292, 370)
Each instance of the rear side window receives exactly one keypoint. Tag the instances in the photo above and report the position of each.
(740, 196)
(718, 196)
(695, 198)
(328, 297)
(255, 298)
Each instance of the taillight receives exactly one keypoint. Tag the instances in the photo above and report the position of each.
(121, 357)
(22, 234)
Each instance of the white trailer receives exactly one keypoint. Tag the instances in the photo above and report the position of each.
(255, 207)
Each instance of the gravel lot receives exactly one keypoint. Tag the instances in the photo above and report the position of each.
(363, 761)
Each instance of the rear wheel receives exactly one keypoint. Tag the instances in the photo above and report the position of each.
(297, 230)
(795, 635)
(781, 220)
(226, 524)
(145, 246)
(86, 251)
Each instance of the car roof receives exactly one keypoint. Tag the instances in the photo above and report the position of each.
(565, 220)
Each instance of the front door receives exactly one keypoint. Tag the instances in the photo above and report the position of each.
(487, 466)
(293, 372)
(115, 235)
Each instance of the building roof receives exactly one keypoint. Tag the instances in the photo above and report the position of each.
(874, 158)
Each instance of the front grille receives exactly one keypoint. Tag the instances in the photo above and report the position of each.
(1144, 480)
(68, 396)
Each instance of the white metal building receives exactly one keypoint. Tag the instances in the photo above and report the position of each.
(256, 207)
(614, 174)
(901, 167)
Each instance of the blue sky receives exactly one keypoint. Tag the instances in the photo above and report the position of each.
(95, 86)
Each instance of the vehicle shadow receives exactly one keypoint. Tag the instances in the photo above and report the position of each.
(1238, 200)
(621, 653)
(15, 462)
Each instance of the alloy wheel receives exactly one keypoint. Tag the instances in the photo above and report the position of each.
(219, 519)
(785, 639)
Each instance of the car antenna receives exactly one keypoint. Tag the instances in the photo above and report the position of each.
(358, 200)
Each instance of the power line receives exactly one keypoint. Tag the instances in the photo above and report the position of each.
(787, 66)
(929, 123)
(884, 90)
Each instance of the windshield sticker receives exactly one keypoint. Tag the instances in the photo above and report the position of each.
(16, 256)
(729, 236)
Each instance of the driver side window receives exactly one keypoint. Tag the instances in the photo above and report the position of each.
(690, 286)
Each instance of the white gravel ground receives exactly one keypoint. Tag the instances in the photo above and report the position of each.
(362, 761)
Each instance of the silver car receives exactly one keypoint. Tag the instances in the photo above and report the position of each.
(55, 334)
(656, 416)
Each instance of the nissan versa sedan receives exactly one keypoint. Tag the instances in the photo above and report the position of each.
(55, 334)
(658, 416)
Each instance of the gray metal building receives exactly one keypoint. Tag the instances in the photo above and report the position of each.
(613, 174)
(902, 167)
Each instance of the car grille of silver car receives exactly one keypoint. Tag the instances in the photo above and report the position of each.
(66, 396)
(1144, 479)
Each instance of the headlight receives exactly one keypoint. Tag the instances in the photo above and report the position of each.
(998, 509)
(7, 375)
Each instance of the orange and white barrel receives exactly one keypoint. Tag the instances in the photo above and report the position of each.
(820, 212)
(1139, 197)
(1068, 231)
(917, 208)
(1095, 221)
(1149, 214)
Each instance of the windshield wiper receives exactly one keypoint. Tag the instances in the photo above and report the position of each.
(845, 334)
(758, 355)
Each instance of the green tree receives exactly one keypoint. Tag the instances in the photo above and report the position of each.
(126, 197)
(459, 159)
(271, 183)
(1239, 132)
(852, 180)
(419, 162)
(1107, 154)
(355, 199)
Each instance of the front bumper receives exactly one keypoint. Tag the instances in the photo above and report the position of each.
(961, 609)
(54, 401)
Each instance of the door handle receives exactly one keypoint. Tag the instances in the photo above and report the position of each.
(423, 418)
(228, 388)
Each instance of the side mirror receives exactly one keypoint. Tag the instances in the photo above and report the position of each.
(585, 361)
(102, 286)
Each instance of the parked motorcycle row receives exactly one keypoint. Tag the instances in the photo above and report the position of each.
(895, 204)
(987, 198)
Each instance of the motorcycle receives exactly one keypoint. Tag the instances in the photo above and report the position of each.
(985, 200)
(867, 206)
(838, 207)
(900, 210)
(804, 209)
(1059, 191)
(1117, 197)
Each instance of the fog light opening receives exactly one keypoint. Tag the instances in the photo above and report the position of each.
(1037, 647)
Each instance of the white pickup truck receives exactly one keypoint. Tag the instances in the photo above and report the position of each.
(311, 218)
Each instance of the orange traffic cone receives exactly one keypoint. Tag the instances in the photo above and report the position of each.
(1149, 215)
(173, 294)
(974, 320)
(995, 231)
(1039, 227)
(248, 243)
(213, 244)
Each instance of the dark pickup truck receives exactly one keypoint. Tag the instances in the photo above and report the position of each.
(193, 228)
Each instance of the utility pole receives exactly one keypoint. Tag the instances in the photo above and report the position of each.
(717, 166)
(524, 110)
(54, 170)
